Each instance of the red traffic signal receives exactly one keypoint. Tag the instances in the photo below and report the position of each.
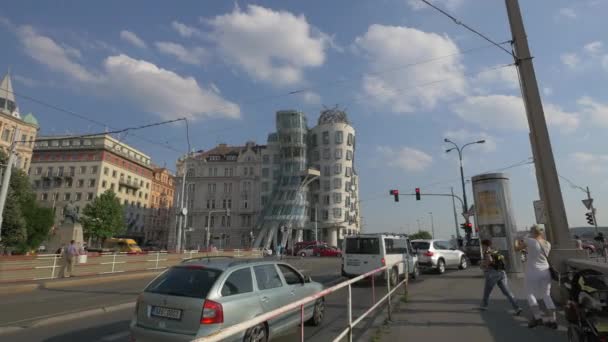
(395, 193)
(417, 194)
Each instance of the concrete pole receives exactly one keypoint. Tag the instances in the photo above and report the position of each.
(6, 177)
(208, 232)
(455, 215)
(316, 223)
(549, 183)
(432, 224)
(178, 246)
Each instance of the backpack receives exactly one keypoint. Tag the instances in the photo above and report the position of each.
(498, 261)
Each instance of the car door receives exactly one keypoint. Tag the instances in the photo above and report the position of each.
(238, 299)
(273, 294)
(453, 255)
(444, 251)
(297, 289)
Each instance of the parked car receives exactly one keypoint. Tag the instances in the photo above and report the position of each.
(439, 255)
(205, 295)
(327, 251)
(472, 251)
(366, 252)
(307, 251)
(303, 244)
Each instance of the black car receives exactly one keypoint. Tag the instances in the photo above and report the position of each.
(472, 251)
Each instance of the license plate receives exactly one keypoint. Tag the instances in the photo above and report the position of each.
(159, 311)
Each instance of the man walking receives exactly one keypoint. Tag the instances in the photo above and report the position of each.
(493, 267)
(69, 257)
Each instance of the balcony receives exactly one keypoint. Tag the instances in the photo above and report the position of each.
(129, 183)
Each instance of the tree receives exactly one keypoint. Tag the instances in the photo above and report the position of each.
(104, 217)
(421, 235)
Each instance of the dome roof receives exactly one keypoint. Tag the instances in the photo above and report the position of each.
(333, 115)
(30, 119)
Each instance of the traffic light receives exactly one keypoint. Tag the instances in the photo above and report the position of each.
(589, 216)
(467, 226)
(395, 193)
(417, 194)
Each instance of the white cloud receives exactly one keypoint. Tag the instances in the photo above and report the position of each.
(501, 77)
(605, 62)
(47, 52)
(406, 158)
(508, 112)
(547, 91)
(570, 60)
(194, 56)
(164, 92)
(596, 110)
(593, 48)
(185, 30)
(26, 81)
(399, 89)
(271, 46)
(449, 4)
(566, 12)
(589, 162)
(311, 97)
(132, 38)
(464, 136)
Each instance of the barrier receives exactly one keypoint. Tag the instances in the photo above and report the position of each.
(46, 266)
(243, 326)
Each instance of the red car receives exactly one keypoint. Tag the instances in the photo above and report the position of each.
(327, 251)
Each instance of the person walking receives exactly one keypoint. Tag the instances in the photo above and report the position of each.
(493, 267)
(578, 241)
(70, 254)
(279, 250)
(537, 276)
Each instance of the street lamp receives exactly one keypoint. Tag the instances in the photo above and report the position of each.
(460, 149)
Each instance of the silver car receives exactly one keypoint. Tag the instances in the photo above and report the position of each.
(439, 255)
(199, 297)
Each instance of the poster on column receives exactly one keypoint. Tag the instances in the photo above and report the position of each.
(489, 215)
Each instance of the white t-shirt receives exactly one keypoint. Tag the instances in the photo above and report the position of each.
(536, 259)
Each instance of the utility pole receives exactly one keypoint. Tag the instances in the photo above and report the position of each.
(316, 224)
(6, 177)
(548, 184)
(455, 215)
(178, 246)
(432, 224)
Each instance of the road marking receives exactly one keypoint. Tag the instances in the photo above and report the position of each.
(116, 336)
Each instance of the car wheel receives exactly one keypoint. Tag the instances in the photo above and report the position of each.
(463, 263)
(318, 313)
(415, 272)
(256, 334)
(393, 277)
(440, 266)
(302, 254)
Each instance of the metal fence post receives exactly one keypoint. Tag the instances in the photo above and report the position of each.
(373, 289)
(157, 258)
(113, 262)
(388, 289)
(302, 323)
(349, 312)
(54, 265)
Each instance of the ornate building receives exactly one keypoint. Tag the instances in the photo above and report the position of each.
(159, 216)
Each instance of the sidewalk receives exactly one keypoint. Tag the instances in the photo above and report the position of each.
(443, 308)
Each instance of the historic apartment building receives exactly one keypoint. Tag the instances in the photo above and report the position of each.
(160, 206)
(224, 178)
(77, 169)
(11, 121)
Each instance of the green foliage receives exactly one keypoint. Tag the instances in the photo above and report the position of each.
(421, 235)
(14, 231)
(104, 217)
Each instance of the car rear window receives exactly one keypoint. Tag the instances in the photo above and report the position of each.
(473, 242)
(189, 281)
(363, 246)
(420, 245)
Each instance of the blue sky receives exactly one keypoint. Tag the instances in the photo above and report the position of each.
(407, 76)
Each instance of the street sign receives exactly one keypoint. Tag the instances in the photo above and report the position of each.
(588, 203)
(539, 212)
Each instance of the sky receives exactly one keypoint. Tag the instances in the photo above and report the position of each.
(407, 76)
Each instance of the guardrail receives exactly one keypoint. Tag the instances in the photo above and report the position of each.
(48, 266)
(240, 327)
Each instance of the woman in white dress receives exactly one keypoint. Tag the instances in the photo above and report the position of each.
(537, 276)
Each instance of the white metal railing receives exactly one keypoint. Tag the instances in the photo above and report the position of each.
(46, 257)
(347, 332)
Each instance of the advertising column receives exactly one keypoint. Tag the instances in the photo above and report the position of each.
(494, 216)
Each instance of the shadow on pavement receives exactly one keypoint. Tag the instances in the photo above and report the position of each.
(92, 334)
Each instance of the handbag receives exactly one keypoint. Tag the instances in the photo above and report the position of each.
(552, 271)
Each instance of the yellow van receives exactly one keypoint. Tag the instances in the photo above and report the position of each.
(121, 245)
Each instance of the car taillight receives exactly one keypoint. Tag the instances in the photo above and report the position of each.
(213, 313)
(429, 254)
(383, 261)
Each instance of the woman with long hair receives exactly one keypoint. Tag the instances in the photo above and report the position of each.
(537, 276)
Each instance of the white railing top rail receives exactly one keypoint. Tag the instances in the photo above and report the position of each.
(235, 329)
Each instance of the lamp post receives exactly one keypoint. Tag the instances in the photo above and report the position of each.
(432, 224)
(460, 149)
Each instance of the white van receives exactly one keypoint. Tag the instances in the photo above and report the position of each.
(366, 252)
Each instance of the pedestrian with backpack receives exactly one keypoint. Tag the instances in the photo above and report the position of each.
(493, 266)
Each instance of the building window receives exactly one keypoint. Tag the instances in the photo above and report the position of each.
(327, 170)
(78, 196)
(229, 204)
(339, 137)
(264, 201)
(224, 204)
(80, 183)
(266, 159)
(326, 199)
(104, 184)
(106, 170)
(251, 171)
(93, 170)
(337, 212)
(44, 196)
(90, 196)
(36, 184)
(265, 186)
(225, 172)
(349, 171)
(245, 171)
(68, 183)
(325, 138)
(338, 169)
(337, 197)
(66, 196)
(349, 155)
(316, 156)
(265, 172)
(313, 140)
(326, 153)
(212, 204)
(276, 159)
(338, 153)
(112, 186)
(337, 183)
(350, 141)
(114, 173)
(6, 134)
(208, 204)
(91, 183)
(38, 170)
(83, 169)
(326, 185)
(325, 215)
